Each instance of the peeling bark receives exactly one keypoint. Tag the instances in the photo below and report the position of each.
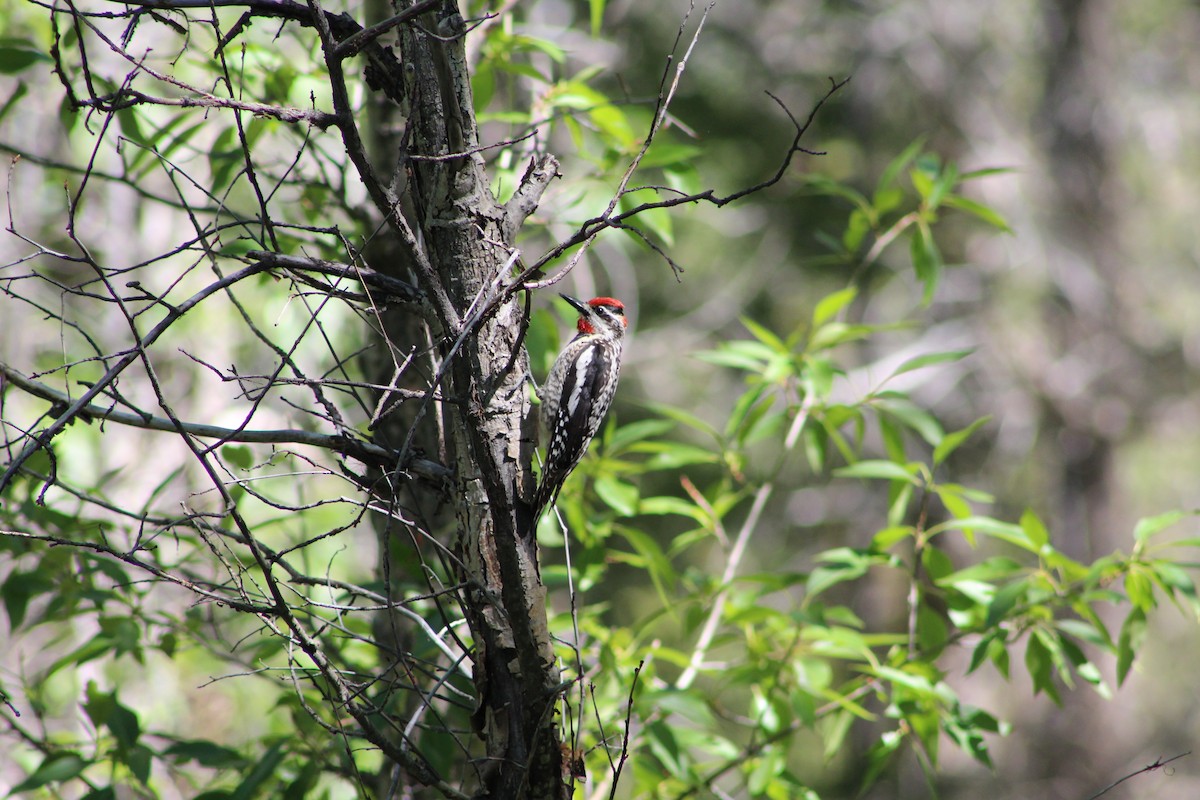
(430, 144)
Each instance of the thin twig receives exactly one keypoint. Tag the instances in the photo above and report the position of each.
(660, 117)
(1158, 764)
(590, 228)
(737, 552)
(367, 452)
(625, 738)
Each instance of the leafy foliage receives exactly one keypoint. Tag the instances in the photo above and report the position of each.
(744, 670)
(729, 677)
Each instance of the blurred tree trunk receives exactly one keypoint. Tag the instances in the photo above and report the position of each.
(1086, 268)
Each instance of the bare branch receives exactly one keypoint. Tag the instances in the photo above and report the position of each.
(125, 98)
(1159, 763)
(589, 229)
(391, 288)
(660, 116)
(367, 452)
(133, 560)
(354, 44)
(738, 551)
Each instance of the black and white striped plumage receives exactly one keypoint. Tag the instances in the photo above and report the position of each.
(578, 391)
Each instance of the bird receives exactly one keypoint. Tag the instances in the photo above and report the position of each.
(578, 391)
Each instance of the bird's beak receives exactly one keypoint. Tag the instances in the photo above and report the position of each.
(578, 304)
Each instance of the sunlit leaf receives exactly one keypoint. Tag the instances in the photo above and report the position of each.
(878, 469)
(952, 441)
(929, 359)
(831, 305)
(1148, 527)
(1034, 529)
(619, 496)
(977, 209)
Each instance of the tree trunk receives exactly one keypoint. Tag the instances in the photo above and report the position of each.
(459, 255)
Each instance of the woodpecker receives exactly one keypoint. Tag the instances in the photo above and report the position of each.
(578, 391)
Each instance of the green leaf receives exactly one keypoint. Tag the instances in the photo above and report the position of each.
(1175, 581)
(927, 261)
(1139, 588)
(130, 124)
(893, 439)
(932, 632)
(483, 85)
(744, 406)
(13, 98)
(858, 225)
(205, 753)
(224, 157)
(834, 730)
(819, 372)
(839, 565)
(16, 55)
(140, 759)
(889, 536)
(879, 469)
(983, 212)
(104, 709)
(1085, 631)
(823, 184)
(1004, 601)
(638, 431)
(766, 336)
(768, 765)
(897, 165)
(967, 726)
(54, 769)
(258, 775)
(738, 355)
(913, 416)
(1149, 527)
(688, 419)
(1041, 668)
(239, 455)
(1004, 531)
(816, 447)
(929, 359)
(831, 305)
(666, 506)
(617, 495)
(660, 738)
(667, 155)
(673, 455)
(942, 185)
(985, 173)
(991, 570)
(1034, 529)
(832, 334)
(1133, 634)
(657, 221)
(937, 563)
(652, 559)
(879, 758)
(952, 441)
(18, 589)
(596, 14)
